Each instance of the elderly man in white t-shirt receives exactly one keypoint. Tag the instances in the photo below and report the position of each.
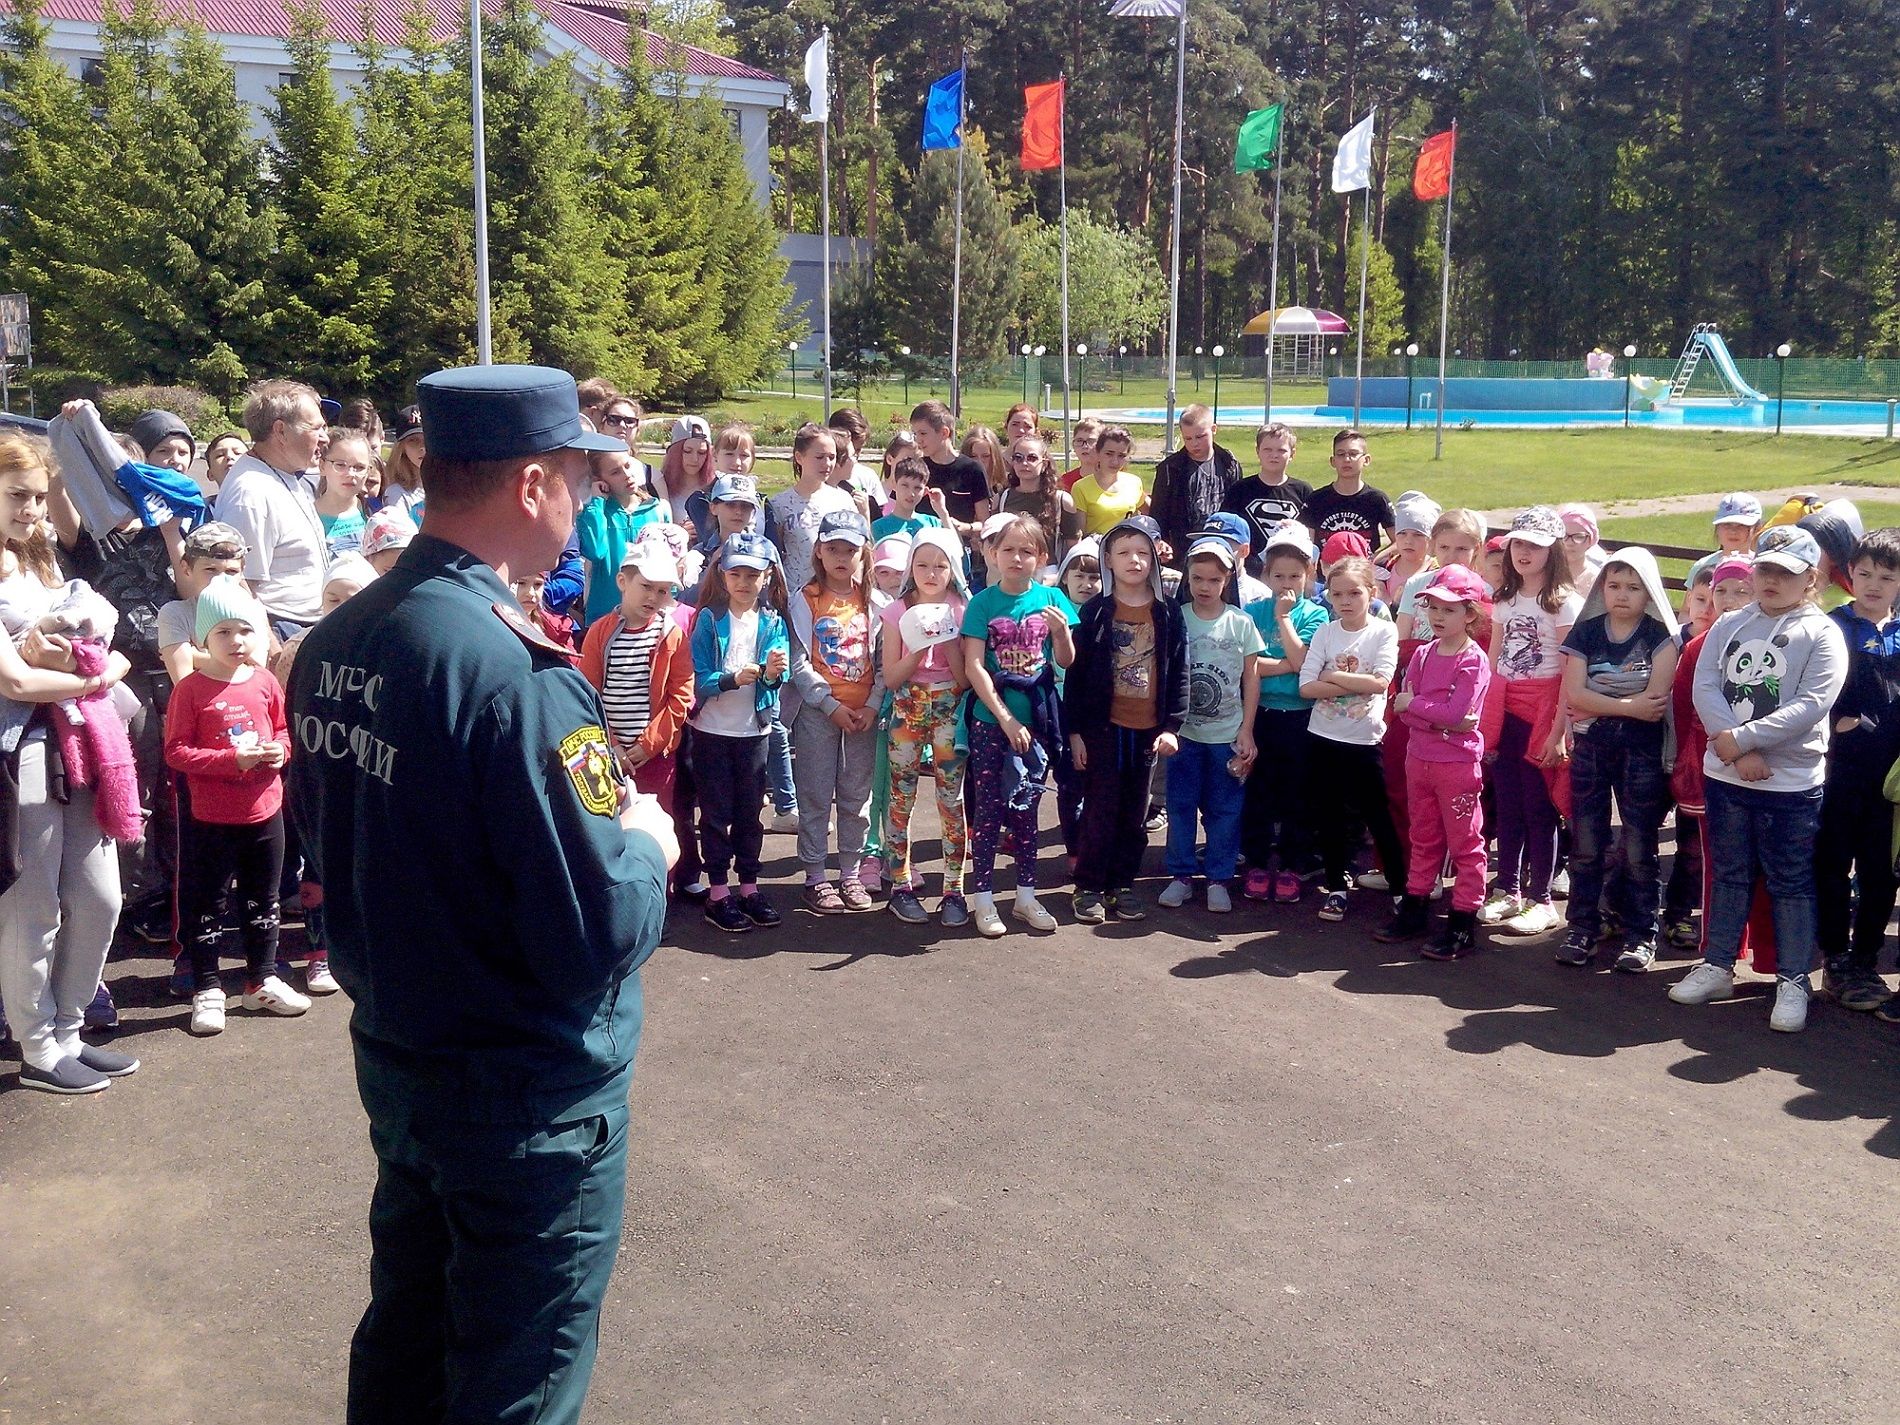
(269, 497)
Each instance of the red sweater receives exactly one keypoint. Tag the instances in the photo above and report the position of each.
(206, 724)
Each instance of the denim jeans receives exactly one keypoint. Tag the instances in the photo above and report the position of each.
(1617, 757)
(778, 766)
(1751, 832)
(1201, 788)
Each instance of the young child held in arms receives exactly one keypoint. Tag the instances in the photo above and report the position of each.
(1207, 775)
(226, 731)
(1768, 677)
(1446, 680)
(1619, 665)
(1123, 704)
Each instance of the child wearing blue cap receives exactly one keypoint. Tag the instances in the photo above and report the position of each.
(834, 735)
(740, 662)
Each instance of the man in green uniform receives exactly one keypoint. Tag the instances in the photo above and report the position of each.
(490, 888)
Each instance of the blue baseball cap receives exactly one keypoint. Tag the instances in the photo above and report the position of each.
(504, 413)
(847, 525)
(1224, 524)
(746, 550)
(1788, 547)
(735, 490)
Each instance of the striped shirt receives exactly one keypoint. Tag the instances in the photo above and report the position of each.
(628, 694)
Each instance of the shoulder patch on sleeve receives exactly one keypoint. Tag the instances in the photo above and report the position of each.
(526, 631)
(589, 764)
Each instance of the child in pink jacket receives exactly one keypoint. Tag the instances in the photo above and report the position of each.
(1445, 686)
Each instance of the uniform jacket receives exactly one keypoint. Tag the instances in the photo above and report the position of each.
(458, 803)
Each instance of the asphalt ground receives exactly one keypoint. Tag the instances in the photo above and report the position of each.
(1241, 1168)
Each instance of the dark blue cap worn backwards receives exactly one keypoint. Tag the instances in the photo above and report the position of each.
(504, 413)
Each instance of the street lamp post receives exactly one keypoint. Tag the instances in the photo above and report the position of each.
(1629, 374)
(1781, 372)
(1198, 353)
(1081, 367)
(1124, 371)
(1411, 352)
(904, 352)
(1219, 352)
(1025, 349)
(1332, 351)
(1037, 353)
(792, 347)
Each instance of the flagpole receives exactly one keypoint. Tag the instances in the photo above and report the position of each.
(1273, 267)
(1359, 356)
(484, 328)
(1444, 298)
(956, 262)
(824, 208)
(1062, 169)
(1174, 244)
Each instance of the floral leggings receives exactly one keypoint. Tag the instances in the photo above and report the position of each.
(990, 755)
(923, 716)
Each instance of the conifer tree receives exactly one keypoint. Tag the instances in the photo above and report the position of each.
(330, 302)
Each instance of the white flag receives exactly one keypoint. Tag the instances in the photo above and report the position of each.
(1352, 165)
(1147, 9)
(818, 80)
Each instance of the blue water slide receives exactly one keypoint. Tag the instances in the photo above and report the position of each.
(1725, 363)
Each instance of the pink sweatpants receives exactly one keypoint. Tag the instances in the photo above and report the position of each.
(1446, 814)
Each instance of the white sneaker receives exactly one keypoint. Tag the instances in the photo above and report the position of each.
(1534, 919)
(1372, 881)
(1560, 885)
(1707, 982)
(275, 997)
(1790, 1014)
(1032, 913)
(1218, 900)
(785, 823)
(318, 980)
(207, 1012)
(1500, 907)
(1177, 894)
(988, 923)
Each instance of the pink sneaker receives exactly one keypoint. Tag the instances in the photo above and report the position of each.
(1287, 888)
(1258, 886)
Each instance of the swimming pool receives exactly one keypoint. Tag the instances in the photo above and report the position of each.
(1863, 418)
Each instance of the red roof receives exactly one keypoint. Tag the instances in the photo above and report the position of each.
(602, 28)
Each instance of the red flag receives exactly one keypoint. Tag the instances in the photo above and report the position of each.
(1042, 126)
(1431, 177)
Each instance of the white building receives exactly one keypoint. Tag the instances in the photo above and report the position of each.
(252, 34)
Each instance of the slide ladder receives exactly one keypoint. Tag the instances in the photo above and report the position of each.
(1707, 339)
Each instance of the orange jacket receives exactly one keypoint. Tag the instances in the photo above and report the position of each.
(671, 694)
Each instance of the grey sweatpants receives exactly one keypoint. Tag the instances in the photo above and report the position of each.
(832, 768)
(56, 921)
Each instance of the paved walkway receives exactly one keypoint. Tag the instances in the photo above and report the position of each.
(1248, 1168)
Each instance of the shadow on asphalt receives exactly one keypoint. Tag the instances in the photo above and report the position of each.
(1514, 994)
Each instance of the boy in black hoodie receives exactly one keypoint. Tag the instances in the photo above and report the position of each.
(1123, 704)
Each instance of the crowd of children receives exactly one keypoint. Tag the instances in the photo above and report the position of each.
(1296, 674)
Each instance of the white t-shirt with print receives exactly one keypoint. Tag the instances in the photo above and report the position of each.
(1373, 649)
(1529, 645)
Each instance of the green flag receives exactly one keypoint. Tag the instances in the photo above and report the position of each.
(1259, 139)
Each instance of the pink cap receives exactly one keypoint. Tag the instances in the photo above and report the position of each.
(1732, 568)
(1456, 584)
(1345, 544)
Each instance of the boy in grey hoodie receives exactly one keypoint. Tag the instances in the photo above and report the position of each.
(1763, 689)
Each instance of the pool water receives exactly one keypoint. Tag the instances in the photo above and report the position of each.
(1866, 417)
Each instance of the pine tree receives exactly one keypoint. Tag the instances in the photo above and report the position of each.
(53, 163)
(331, 305)
(191, 234)
(1385, 299)
(914, 267)
(549, 263)
(415, 177)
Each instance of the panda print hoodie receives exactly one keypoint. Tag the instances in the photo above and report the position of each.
(1771, 679)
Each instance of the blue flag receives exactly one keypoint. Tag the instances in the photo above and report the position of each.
(943, 113)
